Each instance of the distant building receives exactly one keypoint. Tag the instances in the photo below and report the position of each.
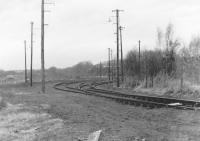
(9, 79)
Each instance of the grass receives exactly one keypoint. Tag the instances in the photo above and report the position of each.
(3, 104)
(165, 85)
(85, 114)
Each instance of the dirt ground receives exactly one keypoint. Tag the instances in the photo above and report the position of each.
(62, 116)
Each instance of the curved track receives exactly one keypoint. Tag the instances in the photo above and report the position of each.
(65, 87)
(89, 88)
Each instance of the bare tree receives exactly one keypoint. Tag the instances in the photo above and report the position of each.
(159, 40)
(170, 53)
(191, 60)
(194, 46)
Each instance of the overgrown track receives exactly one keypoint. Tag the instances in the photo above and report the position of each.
(89, 88)
(65, 87)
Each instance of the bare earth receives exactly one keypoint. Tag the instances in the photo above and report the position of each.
(62, 116)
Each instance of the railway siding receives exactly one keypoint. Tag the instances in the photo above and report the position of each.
(89, 88)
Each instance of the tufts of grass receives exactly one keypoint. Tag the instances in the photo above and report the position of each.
(2, 103)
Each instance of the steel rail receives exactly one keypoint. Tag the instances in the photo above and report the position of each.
(136, 102)
(152, 98)
(146, 101)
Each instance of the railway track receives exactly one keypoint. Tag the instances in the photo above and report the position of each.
(89, 88)
(66, 87)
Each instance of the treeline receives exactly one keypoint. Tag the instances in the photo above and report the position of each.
(161, 60)
(83, 69)
(171, 58)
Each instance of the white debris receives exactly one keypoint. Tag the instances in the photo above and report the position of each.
(94, 136)
(175, 104)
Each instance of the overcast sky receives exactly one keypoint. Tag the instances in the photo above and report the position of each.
(79, 29)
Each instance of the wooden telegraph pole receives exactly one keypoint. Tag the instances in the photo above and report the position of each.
(100, 70)
(139, 61)
(42, 47)
(117, 34)
(25, 62)
(122, 63)
(31, 69)
(109, 64)
(117, 20)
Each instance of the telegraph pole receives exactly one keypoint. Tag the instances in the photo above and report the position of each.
(97, 70)
(25, 62)
(122, 63)
(42, 47)
(100, 67)
(139, 61)
(31, 69)
(117, 34)
(42, 44)
(114, 68)
(117, 20)
(146, 69)
(109, 64)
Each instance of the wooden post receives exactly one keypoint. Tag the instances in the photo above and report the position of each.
(122, 63)
(25, 62)
(31, 69)
(109, 64)
(139, 62)
(42, 48)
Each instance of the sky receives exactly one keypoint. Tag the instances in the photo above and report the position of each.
(78, 30)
